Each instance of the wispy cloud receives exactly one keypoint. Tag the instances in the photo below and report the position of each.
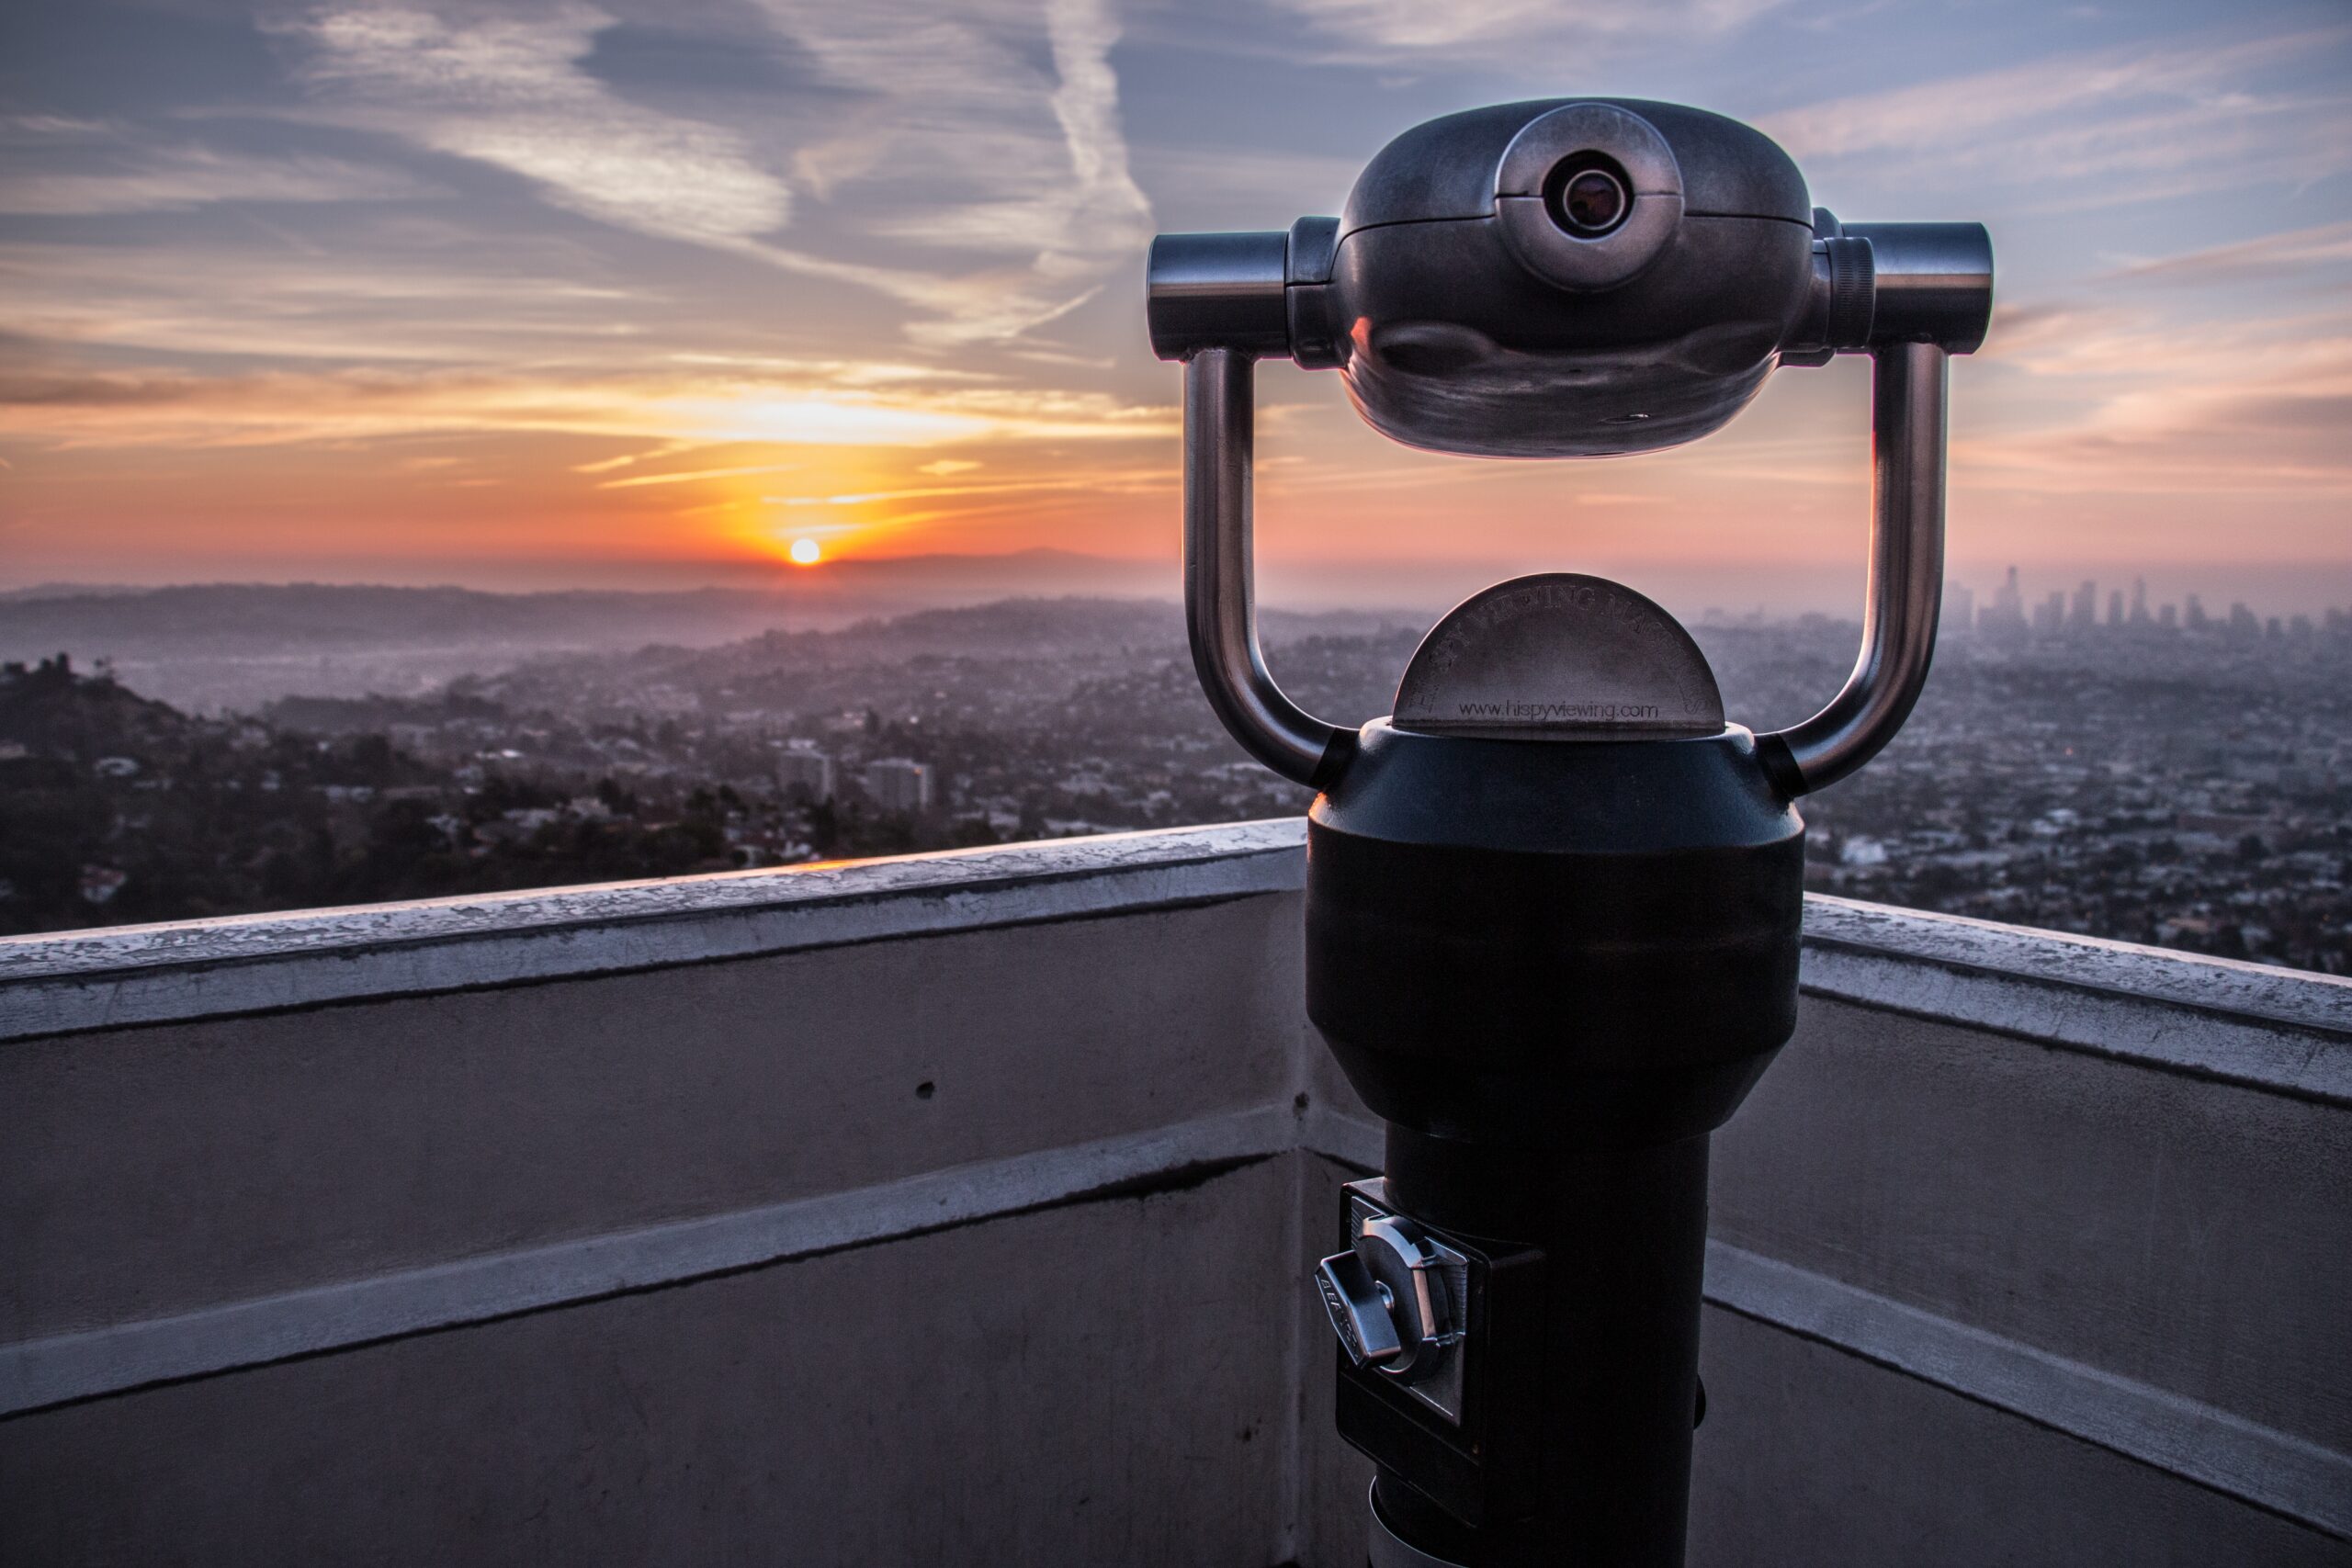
(1945, 113)
(967, 143)
(695, 476)
(630, 459)
(2296, 253)
(992, 187)
(2100, 127)
(75, 407)
(843, 372)
(371, 295)
(181, 179)
(2151, 404)
(509, 91)
(1384, 29)
(1214, 186)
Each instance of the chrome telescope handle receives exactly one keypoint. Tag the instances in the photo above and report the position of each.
(1903, 596)
(1904, 593)
(1220, 597)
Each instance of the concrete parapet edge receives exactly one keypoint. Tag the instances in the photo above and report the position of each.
(77, 981)
(2277, 1028)
(2283, 1030)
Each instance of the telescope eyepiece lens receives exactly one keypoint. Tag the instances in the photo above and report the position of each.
(1589, 198)
(1593, 201)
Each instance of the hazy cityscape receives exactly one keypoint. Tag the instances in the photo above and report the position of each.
(2084, 760)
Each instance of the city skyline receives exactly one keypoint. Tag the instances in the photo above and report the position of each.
(2090, 606)
(625, 295)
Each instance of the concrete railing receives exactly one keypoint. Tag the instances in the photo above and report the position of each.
(957, 1209)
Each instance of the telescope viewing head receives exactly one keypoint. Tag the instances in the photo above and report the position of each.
(1572, 277)
(1569, 279)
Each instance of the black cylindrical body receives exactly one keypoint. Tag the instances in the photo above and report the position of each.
(1554, 942)
(1556, 966)
(1624, 1231)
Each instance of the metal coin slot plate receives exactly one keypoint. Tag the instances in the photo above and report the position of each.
(1440, 1386)
(1559, 656)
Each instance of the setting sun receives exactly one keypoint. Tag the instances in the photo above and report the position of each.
(805, 553)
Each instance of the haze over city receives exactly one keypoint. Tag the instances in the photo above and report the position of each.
(637, 295)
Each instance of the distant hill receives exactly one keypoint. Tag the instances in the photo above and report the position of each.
(241, 646)
(1072, 624)
(47, 709)
(244, 617)
(236, 646)
(1004, 655)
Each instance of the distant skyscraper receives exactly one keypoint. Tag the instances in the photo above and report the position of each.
(2085, 615)
(2243, 628)
(2004, 617)
(2008, 603)
(2049, 615)
(2139, 600)
(1960, 608)
(2195, 613)
(898, 784)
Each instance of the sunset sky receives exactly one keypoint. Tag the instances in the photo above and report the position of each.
(629, 293)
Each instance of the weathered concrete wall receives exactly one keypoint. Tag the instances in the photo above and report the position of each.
(250, 1156)
(2076, 1217)
(1812, 1455)
(2068, 1299)
(958, 1210)
(2184, 1234)
(1101, 1382)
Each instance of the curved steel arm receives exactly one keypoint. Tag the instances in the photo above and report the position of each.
(1220, 606)
(1904, 591)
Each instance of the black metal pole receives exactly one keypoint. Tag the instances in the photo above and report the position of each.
(1553, 999)
(1624, 1231)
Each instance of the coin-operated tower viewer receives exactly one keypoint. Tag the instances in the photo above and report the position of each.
(1552, 900)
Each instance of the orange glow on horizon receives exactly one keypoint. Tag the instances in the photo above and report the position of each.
(682, 336)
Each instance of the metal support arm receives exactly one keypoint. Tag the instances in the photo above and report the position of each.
(1220, 602)
(1904, 591)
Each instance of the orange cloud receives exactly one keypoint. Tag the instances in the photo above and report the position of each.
(167, 407)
